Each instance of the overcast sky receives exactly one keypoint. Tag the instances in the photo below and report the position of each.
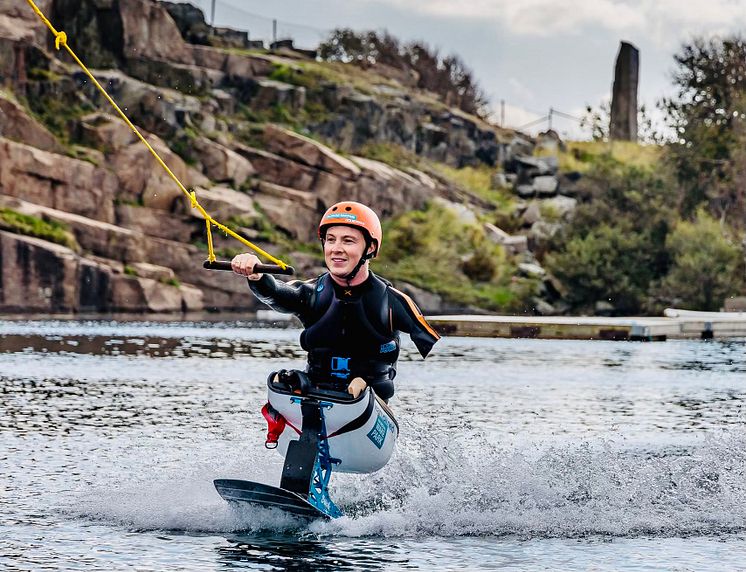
(533, 54)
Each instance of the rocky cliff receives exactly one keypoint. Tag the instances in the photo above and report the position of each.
(90, 222)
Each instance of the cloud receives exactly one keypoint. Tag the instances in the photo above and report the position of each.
(665, 21)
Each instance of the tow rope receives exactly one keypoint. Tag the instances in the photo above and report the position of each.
(60, 40)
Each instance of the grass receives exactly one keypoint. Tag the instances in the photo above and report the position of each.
(28, 225)
(478, 181)
(391, 154)
(582, 155)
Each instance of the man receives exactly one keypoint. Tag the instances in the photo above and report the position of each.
(352, 318)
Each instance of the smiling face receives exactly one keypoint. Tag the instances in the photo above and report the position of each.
(343, 247)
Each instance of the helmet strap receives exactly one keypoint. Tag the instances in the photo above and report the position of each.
(365, 257)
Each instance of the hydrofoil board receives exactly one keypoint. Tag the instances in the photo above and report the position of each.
(267, 496)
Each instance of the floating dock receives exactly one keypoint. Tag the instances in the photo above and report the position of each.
(676, 324)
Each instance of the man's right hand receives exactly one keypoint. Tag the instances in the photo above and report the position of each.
(243, 265)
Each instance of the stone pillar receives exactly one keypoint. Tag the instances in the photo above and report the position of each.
(624, 94)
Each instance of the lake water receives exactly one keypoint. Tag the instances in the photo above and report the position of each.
(513, 455)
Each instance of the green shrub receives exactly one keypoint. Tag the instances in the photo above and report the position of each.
(706, 267)
(609, 263)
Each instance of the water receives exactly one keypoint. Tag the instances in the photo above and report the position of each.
(514, 455)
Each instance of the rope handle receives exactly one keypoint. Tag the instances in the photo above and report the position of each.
(60, 40)
(258, 269)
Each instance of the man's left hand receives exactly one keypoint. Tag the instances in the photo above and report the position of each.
(356, 387)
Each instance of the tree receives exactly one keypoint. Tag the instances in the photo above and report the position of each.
(708, 115)
(447, 77)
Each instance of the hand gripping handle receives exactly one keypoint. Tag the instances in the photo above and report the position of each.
(258, 269)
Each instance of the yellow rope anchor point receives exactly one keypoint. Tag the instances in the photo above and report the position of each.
(60, 40)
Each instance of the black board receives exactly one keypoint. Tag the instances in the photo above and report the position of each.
(267, 496)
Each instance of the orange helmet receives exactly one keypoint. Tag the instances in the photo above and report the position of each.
(356, 215)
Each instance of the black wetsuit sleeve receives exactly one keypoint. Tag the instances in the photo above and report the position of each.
(406, 317)
(286, 297)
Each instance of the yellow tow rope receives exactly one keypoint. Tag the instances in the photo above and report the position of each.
(60, 39)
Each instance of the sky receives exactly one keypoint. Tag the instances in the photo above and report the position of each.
(532, 55)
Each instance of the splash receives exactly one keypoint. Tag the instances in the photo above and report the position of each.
(474, 487)
(462, 485)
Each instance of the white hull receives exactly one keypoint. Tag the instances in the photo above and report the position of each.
(364, 449)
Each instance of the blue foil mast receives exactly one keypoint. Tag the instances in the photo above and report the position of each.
(318, 492)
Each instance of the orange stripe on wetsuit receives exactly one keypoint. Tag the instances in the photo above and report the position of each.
(416, 311)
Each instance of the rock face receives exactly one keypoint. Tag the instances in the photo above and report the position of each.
(56, 181)
(140, 245)
(17, 125)
(37, 276)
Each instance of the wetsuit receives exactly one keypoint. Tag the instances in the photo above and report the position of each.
(350, 331)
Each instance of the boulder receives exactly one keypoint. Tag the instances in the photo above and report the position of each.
(159, 110)
(16, 124)
(545, 185)
(152, 271)
(19, 23)
(542, 231)
(462, 212)
(543, 308)
(143, 180)
(239, 67)
(186, 78)
(512, 244)
(154, 222)
(56, 181)
(532, 214)
(184, 259)
(309, 152)
(150, 32)
(563, 206)
(281, 171)
(223, 203)
(37, 276)
(306, 198)
(423, 179)
(221, 164)
(428, 302)
(527, 167)
(499, 181)
(289, 215)
(192, 298)
(134, 294)
(105, 132)
(383, 171)
(531, 270)
(268, 93)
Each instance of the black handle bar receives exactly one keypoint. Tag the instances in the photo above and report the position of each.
(258, 269)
